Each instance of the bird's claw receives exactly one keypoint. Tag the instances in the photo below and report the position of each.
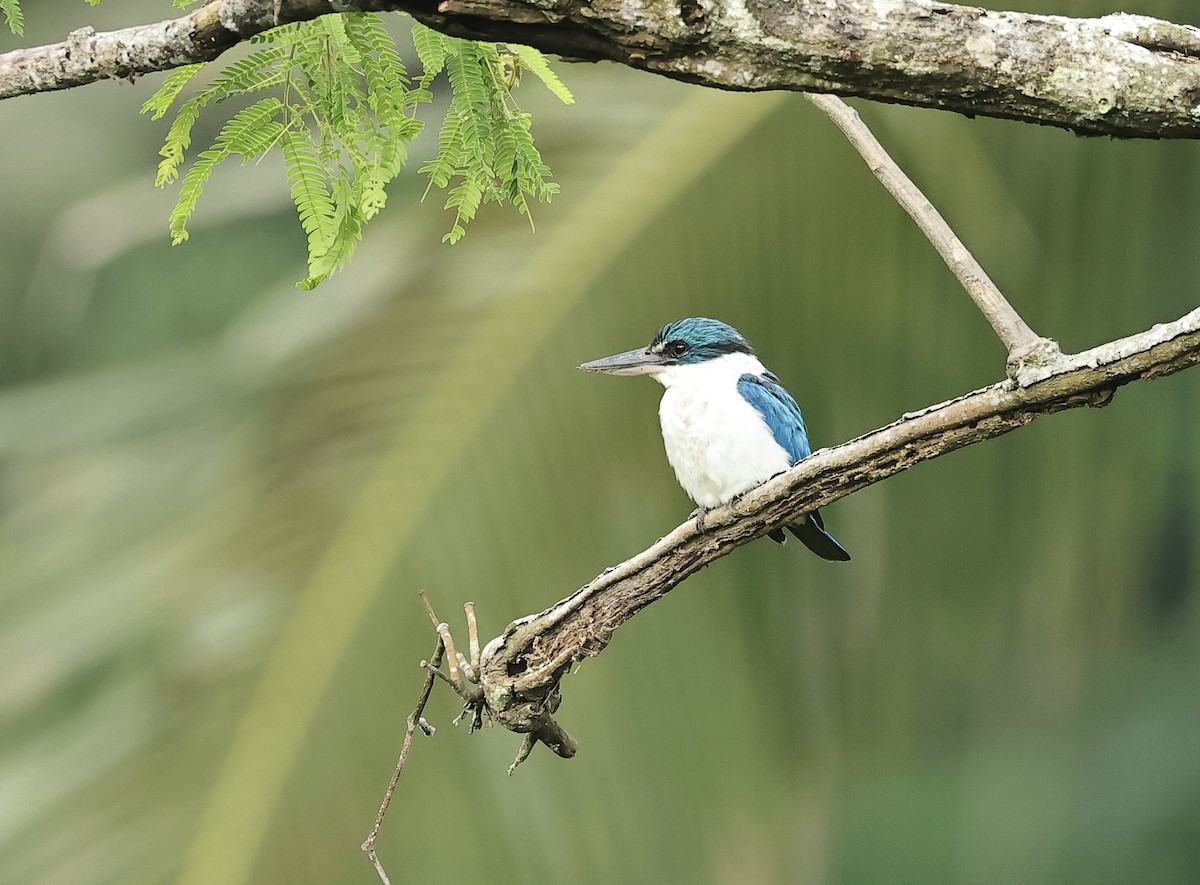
(699, 513)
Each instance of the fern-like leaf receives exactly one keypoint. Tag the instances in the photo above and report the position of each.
(464, 198)
(13, 16)
(442, 167)
(347, 231)
(431, 50)
(508, 167)
(534, 62)
(387, 80)
(369, 191)
(344, 119)
(175, 145)
(309, 193)
(533, 172)
(243, 134)
(247, 75)
(344, 99)
(160, 102)
(472, 102)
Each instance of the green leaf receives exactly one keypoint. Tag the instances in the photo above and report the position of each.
(253, 73)
(536, 63)
(443, 167)
(387, 80)
(243, 134)
(485, 143)
(178, 140)
(347, 231)
(160, 102)
(309, 192)
(464, 198)
(344, 118)
(472, 102)
(369, 191)
(335, 29)
(13, 16)
(532, 171)
(431, 50)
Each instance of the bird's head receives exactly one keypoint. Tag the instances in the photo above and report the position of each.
(681, 343)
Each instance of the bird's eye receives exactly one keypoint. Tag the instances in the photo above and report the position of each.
(676, 349)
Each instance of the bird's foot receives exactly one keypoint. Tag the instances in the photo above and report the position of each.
(699, 513)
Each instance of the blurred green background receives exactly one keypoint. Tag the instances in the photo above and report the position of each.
(219, 497)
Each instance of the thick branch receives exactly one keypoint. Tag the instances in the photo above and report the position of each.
(523, 667)
(1118, 75)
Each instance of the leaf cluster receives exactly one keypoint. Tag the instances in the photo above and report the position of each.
(334, 97)
(485, 148)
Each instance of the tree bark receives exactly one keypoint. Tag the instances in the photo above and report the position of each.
(1120, 75)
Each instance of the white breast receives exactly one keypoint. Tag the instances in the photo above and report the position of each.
(718, 443)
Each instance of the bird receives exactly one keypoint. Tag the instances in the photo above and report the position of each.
(728, 425)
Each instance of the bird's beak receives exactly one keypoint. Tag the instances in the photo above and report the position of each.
(632, 362)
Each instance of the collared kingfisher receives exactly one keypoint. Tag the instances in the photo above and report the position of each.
(727, 423)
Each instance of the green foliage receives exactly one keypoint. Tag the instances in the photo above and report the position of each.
(341, 109)
(250, 132)
(160, 102)
(485, 142)
(13, 16)
(536, 64)
(431, 50)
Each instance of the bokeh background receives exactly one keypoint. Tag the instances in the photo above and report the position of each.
(219, 498)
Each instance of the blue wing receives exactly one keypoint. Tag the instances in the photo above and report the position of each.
(779, 410)
(782, 415)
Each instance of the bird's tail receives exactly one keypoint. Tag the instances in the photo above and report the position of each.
(812, 534)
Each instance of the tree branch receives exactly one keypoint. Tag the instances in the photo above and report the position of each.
(522, 668)
(1023, 344)
(1121, 75)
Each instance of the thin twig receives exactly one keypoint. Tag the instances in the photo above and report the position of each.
(472, 634)
(1022, 343)
(415, 720)
(436, 671)
(429, 609)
